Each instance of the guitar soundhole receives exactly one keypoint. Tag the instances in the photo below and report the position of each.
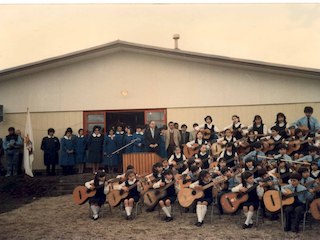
(80, 195)
(193, 192)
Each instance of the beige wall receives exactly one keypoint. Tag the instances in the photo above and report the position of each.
(221, 116)
(152, 82)
(60, 121)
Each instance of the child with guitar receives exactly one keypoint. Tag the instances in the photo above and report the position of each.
(207, 199)
(203, 158)
(294, 213)
(254, 197)
(177, 160)
(132, 186)
(98, 184)
(171, 195)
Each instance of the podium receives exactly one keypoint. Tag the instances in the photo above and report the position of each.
(142, 162)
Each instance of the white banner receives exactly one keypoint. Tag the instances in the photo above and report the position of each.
(28, 154)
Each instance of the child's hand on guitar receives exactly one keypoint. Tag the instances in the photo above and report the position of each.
(162, 184)
(198, 188)
(243, 189)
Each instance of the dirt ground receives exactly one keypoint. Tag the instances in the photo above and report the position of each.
(60, 218)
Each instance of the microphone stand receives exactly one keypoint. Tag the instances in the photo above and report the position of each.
(123, 147)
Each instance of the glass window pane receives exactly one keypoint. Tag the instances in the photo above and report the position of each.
(155, 116)
(95, 118)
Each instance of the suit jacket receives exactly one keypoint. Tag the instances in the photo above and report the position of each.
(176, 137)
(148, 139)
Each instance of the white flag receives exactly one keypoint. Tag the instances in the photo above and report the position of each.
(28, 154)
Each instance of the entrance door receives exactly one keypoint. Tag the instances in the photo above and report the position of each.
(131, 119)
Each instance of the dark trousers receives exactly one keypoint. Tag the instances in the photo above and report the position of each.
(67, 170)
(170, 150)
(293, 215)
(53, 169)
(19, 164)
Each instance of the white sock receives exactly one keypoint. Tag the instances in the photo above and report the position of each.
(166, 211)
(245, 214)
(128, 211)
(94, 209)
(203, 211)
(199, 212)
(249, 216)
(169, 210)
(97, 209)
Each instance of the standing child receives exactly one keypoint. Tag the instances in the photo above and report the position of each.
(98, 184)
(81, 150)
(67, 153)
(254, 197)
(95, 145)
(110, 160)
(138, 145)
(128, 137)
(207, 199)
(50, 146)
(131, 186)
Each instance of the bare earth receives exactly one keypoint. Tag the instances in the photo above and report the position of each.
(60, 218)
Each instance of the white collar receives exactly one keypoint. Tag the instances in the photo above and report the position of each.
(229, 138)
(111, 136)
(132, 182)
(50, 136)
(237, 124)
(65, 137)
(95, 135)
(80, 136)
(277, 137)
(178, 155)
(281, 124)
(120, 132)
(209, 125)
(141, 133)
(167, 181)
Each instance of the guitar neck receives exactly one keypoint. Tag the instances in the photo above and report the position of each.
(300, 192)
(214, 182)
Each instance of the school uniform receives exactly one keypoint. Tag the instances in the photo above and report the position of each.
(109, 146)
(282, 127)
(80, 149)
(12, 145)
(312, 123)
(138, 146)
(257, 156)
(253, 195)
(277, 142)
(134, 192)
(294, 212)
(66, 157)
(236, 128)
(95, 146)
(229, 156)
(207, 192)
(204, 158)
(101, 191)
(308, 158)
(128, 139)
(259, 129)
(50, 146)
(171, 191)
(315, 174)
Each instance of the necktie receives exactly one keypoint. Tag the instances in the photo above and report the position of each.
(309, 125)
(296, 200)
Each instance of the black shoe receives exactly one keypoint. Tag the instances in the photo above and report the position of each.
(274, 217)
(250, 225)
(169, 219)
(127, 217)
(287, 229)
(165, 218)
(199, 224)
(295, 229)
(244, 226)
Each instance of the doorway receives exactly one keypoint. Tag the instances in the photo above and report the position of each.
(131, 119)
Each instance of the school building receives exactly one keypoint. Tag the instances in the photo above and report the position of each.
(137, 83)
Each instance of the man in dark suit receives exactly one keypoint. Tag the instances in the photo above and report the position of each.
(184, 135)
(152, 138)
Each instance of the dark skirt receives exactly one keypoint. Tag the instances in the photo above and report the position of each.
(171, 198)
(135, 197)
(97, 200)
(204, 199)
(254, 204)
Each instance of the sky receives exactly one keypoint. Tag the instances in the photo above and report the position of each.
(276, 33)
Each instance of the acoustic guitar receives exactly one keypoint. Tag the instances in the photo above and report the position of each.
(315, 209)
(115, 196)
(190, 152)
(216, 149)
(183, 180)
(230, 202)
(272, 200)
(187, 196)
(152, 197)
(81, 194)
